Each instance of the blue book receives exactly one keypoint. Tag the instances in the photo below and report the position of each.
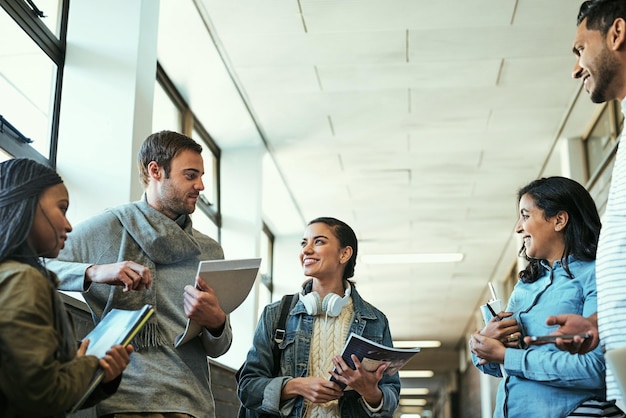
(372, 355)
(118, 327)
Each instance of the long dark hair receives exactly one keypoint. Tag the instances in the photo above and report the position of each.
(556, 194)
(346, 237)
(21, 183)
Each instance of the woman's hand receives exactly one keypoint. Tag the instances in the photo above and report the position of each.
(507, 331)
(364, 382)
(314, 389)
(113, 363)
(489, 350)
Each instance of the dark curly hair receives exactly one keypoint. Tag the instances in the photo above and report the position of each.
(556, 194)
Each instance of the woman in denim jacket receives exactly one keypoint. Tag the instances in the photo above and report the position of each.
(328, 310)
(559, 225)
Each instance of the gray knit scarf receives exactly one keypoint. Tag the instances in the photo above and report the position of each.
(150, 238)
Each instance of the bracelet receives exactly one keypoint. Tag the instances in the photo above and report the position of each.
(377, 409)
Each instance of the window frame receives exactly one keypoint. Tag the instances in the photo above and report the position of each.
(55, 48)
(267, 279)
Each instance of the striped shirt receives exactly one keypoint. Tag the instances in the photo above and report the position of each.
(611, 266)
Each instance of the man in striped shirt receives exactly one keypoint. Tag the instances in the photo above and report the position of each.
(600, 48)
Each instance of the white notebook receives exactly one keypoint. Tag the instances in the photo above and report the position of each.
(616, 360)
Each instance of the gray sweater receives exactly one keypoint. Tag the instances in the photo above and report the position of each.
(159, 378)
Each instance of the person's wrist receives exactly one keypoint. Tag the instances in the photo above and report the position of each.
(371, 408)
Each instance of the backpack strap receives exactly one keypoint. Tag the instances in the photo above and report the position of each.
(280, 329)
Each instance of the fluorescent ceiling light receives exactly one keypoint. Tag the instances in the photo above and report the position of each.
(411, 258)
(417, 343)
(413, 402)
(414, 391)
(416, 373)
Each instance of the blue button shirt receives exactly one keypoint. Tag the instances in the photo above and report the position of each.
(543, 381)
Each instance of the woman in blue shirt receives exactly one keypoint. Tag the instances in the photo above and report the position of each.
(559, 225)
(328, 309)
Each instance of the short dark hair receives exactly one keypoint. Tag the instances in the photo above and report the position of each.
(22, 181)
(161, 147)
(601, 14)
(346, 237)
(556, 194)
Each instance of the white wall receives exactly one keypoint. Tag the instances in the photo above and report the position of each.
(106, 106)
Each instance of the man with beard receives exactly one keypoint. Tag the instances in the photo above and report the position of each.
(147, 252)
(600, 47)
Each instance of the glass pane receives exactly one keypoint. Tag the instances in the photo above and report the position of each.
(27, 83)
(203, 223)
(210, 171)
(165, 114)
(51, 15)
(599, 142)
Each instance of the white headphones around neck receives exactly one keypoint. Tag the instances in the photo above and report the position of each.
(331, 305)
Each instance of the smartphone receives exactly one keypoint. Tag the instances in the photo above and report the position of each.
(552, 338)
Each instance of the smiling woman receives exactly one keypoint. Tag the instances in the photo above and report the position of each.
(329, 308)
(560, 225)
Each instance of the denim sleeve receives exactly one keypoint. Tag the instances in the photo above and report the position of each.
(590, 292)
(257, 389)
(554, 367)
(492, 369)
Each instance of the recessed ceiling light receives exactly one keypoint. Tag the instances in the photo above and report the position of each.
(417, 343)
(413, 402)
(414, 391)
(416, 373)
(406, 412)
(411, 258)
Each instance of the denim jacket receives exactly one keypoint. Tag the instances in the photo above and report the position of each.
(543, 381)
(259, 391)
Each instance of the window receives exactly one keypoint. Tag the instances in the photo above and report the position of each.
(600, 140)
(171, 112)
(600, 147)
(165, 114)
(30, 77)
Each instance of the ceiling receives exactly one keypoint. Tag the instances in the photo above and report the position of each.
(413, 121)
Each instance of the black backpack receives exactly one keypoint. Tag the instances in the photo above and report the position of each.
(279, 335)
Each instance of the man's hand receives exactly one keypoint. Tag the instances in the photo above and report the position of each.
(573, 324)
(130, 275)
(201, 305)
